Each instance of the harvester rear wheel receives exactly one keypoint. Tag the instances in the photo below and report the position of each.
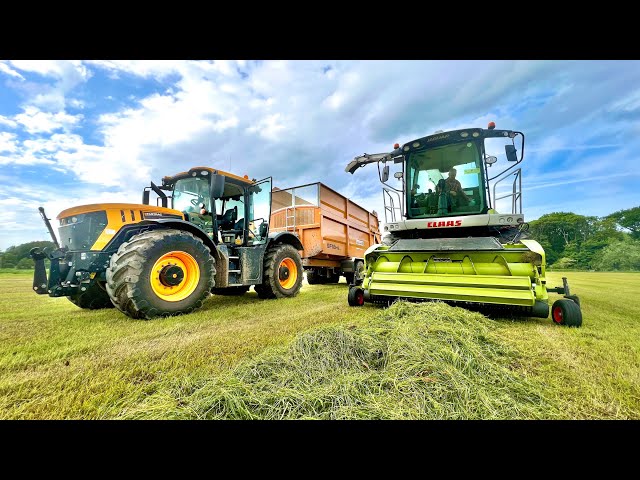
(160, 273)
(282, 272)
(566, 312)
(356, 297)
(93, 298)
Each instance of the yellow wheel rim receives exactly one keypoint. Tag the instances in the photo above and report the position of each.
(174, 276)
(287, 273)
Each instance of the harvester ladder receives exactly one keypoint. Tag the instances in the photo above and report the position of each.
(516, 192)
(390, 206)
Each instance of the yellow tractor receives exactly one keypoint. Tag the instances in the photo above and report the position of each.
(209, 233)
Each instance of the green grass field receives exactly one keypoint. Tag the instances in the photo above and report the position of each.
(314, 357)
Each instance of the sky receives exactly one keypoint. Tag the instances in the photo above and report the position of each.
(80, 132)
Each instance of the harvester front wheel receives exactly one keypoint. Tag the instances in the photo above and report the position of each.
(356, 297)
(566, 312)
(160, 273)
(93, 298)
(282, 272)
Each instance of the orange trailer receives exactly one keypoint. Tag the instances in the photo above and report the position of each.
(334, 231)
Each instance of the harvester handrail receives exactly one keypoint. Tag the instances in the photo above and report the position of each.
(516, 193)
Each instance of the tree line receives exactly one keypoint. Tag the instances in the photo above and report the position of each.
(569, 240)
(592, 243)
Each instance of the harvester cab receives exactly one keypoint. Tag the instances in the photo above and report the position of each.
(207, 233)
(454, 228)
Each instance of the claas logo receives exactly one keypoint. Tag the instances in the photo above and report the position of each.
(445, 223)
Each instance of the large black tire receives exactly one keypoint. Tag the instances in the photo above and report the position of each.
(231, 291)
(313, 278)
(333, 278)
(93, 298)
(356, 297)
(566, 312)
(357, 276)
(276, 275)
(130, 275)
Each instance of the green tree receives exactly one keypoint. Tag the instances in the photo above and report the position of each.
(628, 219)
(22, 250)
(565, 262)
(9, 260)
(624, 255)
(25, 264)
(559, 229)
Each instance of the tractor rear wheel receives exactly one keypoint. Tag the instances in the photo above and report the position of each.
(282, 272)
(93, 298)
(160, 273)
(566, 312)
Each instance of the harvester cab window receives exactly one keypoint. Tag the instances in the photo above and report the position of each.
(445, 181)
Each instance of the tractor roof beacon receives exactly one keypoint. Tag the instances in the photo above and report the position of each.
(444, 236)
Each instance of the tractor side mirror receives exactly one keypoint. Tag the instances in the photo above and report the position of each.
(264, 227)
(510, 150)
(217, 185)
(145, 197)
(385, 173)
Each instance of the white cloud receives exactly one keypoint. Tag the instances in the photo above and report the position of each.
(301, 122)
(7, 121)
(4, 68)
(8, 142)
(36, 121)
(66, 75)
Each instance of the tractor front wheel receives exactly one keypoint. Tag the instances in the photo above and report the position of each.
(159, 273)
(93, 298)
(282, 272)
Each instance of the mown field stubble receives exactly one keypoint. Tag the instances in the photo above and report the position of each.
(312, 356)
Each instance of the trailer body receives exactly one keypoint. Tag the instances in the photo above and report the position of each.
(334, 231)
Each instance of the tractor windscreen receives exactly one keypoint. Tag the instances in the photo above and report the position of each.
(189, 193)
(445, 181)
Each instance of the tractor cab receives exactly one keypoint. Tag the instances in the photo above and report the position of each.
(232, 210)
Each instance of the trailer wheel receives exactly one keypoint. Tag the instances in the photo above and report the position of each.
(313, 278)
(333, 278)
(93, 298)
(566, 312)
(160, 273)
(357, 276)
(231, 291)
(282, 272)
(356, 297)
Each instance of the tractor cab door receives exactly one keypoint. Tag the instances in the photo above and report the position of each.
(259, 212)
